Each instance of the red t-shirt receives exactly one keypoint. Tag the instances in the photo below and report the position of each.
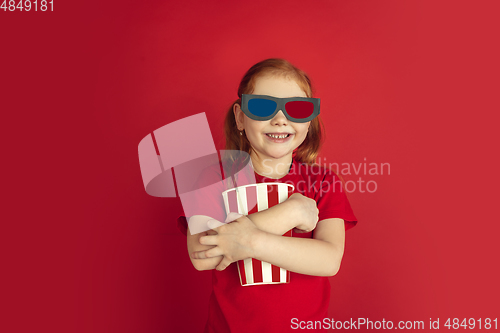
(270, 308)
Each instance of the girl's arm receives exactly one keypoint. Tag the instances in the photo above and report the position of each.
(297, 211)
(320, 256)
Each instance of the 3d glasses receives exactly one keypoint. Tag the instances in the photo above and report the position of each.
(296, 109)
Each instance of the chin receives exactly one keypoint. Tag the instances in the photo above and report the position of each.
(278, 155)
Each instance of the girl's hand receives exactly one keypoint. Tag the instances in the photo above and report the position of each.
(305, 212)
(234, 241)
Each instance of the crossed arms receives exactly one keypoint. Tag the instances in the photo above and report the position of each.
(259, 236)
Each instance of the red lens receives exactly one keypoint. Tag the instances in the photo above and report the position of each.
(299, 109)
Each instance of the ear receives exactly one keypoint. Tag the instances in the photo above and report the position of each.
(238, 116)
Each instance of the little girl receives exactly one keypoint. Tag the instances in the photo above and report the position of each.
(283, 141)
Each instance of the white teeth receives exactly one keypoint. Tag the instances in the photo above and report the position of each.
(282, 136)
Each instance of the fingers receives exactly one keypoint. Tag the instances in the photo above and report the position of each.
(300, 231)
(199, 255)
(214, 252)
(223, 264)
(208, 240)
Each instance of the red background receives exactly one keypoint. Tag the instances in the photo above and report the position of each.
(413, 84)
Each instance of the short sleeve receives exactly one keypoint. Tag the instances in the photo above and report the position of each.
(332, 201)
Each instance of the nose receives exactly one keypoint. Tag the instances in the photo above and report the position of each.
(279, 119)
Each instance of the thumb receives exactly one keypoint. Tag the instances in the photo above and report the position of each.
(223, 264)
(232, 216)
(213, 224)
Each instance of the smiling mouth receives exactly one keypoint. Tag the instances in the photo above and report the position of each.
(278, 135)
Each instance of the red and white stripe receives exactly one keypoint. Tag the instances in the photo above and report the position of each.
(249, 199)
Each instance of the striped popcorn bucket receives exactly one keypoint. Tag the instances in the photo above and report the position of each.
(249, 199)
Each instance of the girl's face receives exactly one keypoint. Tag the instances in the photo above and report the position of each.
(260, 133)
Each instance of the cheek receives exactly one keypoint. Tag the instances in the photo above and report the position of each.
(303, 131)
(253, 127)
(303, 137)
(251, 133)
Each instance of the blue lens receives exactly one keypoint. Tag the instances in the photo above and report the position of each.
(261, 107)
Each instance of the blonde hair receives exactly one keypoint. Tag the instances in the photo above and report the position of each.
(308, 151)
